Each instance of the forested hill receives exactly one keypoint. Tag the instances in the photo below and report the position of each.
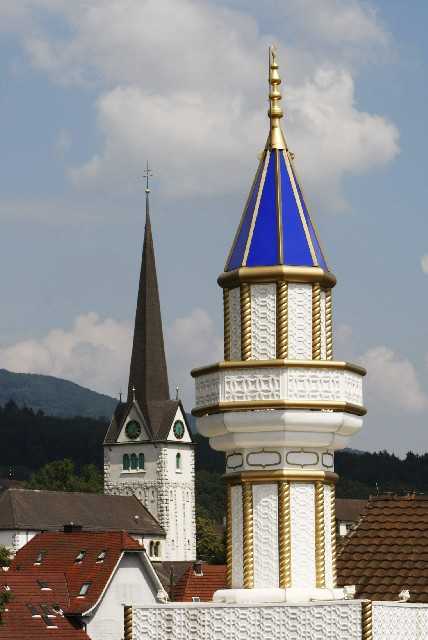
(53, 396)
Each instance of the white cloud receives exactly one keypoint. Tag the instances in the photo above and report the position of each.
(424, 263)
(190, 92)
(392, 381)
(63, 142)
(94, 353)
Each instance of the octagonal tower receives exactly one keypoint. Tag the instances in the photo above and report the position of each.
(278, 405)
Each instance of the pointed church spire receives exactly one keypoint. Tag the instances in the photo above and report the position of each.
(148, 375)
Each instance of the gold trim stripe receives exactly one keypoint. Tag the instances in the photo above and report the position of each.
(332, 405)
(328, 325)
(316, 322)
(245, 297)
(284, 534)
(282, 320)
(248, 535)
(278, 198)
(279, 272)
(238, 364)
(281, 475)
(319, 535)
(229, 537)
(127, 623)
(226, 317)
(333, 533)
(367, 620)
(256, 208)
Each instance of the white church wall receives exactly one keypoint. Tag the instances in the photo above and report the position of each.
(265, 510)
(302, 500)
(400, 621)
(299, 321)
(314, 621)
(130, 584)
(263, 321)
(15, 540)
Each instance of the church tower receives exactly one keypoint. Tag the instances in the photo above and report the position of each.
(148, 449)
(279, 405)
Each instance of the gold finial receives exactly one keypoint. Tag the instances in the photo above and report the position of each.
(276, 138)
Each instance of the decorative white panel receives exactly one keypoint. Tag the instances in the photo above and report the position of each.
(234, 461)
(235, 324)
(328, 536)
(252, 384)
(263, 458)
(299, 321)
(263, 321)
(323, 333)
(265, 518)
(394, 621)
(335, 621)
(302, 502)
(237, 555)
(279, 383)
(328, 460)
(302, 458)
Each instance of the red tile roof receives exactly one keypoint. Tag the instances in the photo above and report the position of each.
(60, 550)
(31, 611)
(388, 551)
(192, 584)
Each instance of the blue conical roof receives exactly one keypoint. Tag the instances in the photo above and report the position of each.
(276, 228)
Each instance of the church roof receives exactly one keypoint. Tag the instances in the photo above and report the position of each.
(276, 227)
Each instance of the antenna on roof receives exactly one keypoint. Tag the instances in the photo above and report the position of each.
(147, 174)
(120, 396)
(177, 392)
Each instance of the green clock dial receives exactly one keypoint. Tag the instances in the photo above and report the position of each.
(179, 429)
(133, 429)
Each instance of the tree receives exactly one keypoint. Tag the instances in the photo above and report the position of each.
(61, 476)
(209, 542)
(5, 556)
(5, 596)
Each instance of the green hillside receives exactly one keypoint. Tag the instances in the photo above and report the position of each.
(53, 396)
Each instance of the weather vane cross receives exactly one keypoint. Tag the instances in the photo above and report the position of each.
(147, 175)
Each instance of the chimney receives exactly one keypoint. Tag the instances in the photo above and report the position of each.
(71, 527)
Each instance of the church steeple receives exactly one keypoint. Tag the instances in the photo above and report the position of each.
(148, 371)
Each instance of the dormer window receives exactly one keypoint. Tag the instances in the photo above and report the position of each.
(84, 589)
(80, 555)
(44, 586)
(39, 557)
(102, 556)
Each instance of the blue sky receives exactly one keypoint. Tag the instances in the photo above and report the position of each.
(90, 90)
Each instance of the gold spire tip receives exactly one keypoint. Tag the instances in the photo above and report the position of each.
(276, 137)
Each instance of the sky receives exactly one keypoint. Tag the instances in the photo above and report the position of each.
(92, 89)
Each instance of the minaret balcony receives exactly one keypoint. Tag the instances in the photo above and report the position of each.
(279, 384)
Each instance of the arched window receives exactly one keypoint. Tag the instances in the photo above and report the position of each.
(141, 461)
(178, 462)
(152, 546)
(125, 462)
(134, 461)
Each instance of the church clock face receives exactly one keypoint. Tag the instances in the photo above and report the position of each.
(178, 429)
(133, 429)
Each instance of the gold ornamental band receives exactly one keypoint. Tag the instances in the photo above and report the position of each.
(333, 533)
(256, 275)
(281, 320)
(226, 328)
(278, 362)
(245, 299)
(284, 534)
(328, 325)
(319, 535)
(248, 535)
(280, 475)
(229, 537)
(319, 405)
(367, 620)
(316, 322)
(127, 623)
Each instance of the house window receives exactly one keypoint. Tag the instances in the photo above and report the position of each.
(125, 462)
(152, 547)
(134, 462)
(141, 461)
(84, 588)
(80, 556)
(157, 549)
(101, 556)
(178, 462)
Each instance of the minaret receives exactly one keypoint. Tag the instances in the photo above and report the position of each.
(278, 405)
(148, 449)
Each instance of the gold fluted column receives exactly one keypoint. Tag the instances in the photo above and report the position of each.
(316, 322)
(127, 623)
(367, 620)
(248, 535)
(319, 535)
(328, 325)
(226, 316)
(229, 536)
(333, 532)
(284, 534)
(245, 298)
(282, 320)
